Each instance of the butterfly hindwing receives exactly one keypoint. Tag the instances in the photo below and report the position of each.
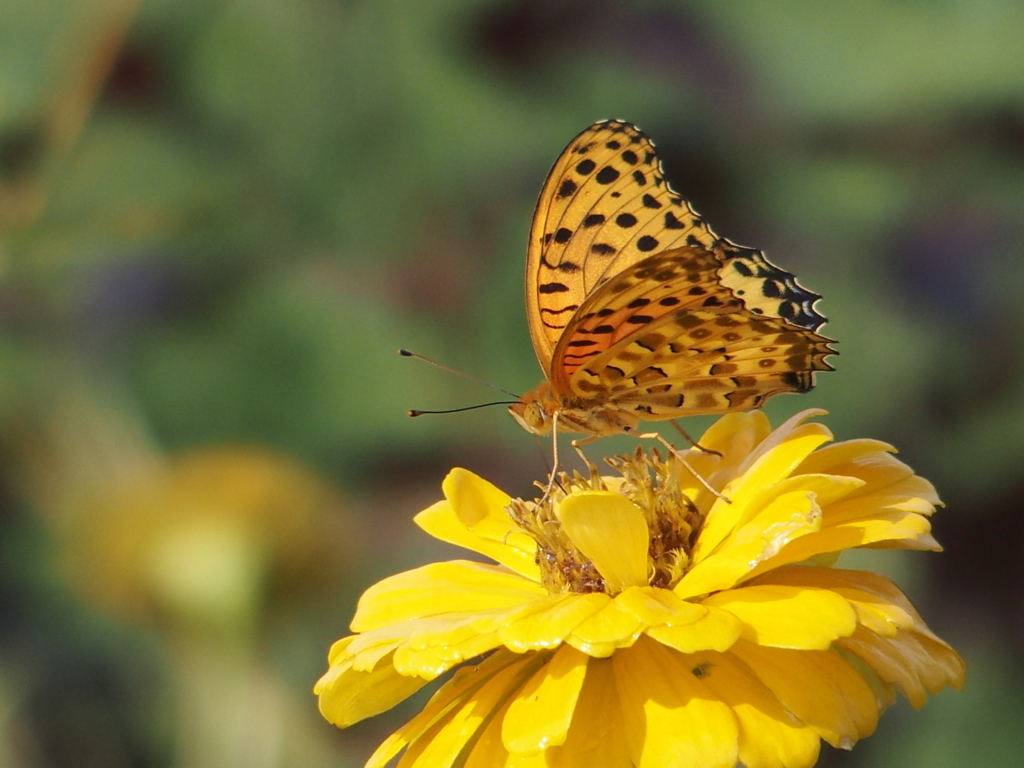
(767, 289)
(667, 338)
(627, 306)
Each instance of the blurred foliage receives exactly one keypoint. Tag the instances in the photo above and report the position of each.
(219, 220)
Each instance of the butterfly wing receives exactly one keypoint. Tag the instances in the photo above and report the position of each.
(766, 289)
(605, 207)
(668, 337)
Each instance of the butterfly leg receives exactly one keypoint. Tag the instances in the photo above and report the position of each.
(554, 453)
(693, 442)
(578, 445)
(682, 460)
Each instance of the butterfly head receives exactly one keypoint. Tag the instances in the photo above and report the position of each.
(535, 410)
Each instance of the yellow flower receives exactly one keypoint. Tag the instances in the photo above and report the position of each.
(641, 620)
(203, 537)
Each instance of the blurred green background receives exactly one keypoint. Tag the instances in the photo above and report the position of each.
(219, 220)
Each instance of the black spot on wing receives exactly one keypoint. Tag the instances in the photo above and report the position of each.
(646, 243)
(606, 175)
(567, 189)
(553, 288)
(567, 308)
(671, 222)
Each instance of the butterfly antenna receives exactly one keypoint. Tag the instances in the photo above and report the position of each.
(466, 408)
(407, 353)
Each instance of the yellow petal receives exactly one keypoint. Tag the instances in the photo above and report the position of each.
(452, 694)
(339, 649)
(541, 712)
(874, 611)
(452, 628)
(770, 737)
(792, 428)
(882, 592)
(736, 434)
(902, 529)
(844, 457)
(775, 460)
(596, 736)
(366, 649)
(878, 467)
(670, 717)
(348, 696)
(733, 436)
(605, 631)
(654, 606)
(818, 687)
(443, 744)
(949, 664)
(431, 656)
(893, 661)
(827, 489)
(788, 616)
(789, 517)
(476, 502)
(512, 549)
(489, 751)
(716, 631)
(438, 588)
(868, 507)
(611, 532)
(549, 621)
(914, 662)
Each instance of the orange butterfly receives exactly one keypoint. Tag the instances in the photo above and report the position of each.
(638, 311)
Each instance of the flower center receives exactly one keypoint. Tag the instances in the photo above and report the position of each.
(647, 480)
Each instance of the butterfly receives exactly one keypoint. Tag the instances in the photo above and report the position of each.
(638, 311)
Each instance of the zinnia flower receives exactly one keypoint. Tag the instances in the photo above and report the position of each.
(641, 620)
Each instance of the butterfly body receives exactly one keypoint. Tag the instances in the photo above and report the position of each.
(536, 414)
(638, 311)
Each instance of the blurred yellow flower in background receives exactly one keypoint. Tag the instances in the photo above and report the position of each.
(203, 536)
(641, 620)
(214, 550)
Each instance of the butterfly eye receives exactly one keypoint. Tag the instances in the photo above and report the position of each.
(530, 416)
(534, 415)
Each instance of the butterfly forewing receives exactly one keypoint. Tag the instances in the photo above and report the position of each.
(605, 206)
